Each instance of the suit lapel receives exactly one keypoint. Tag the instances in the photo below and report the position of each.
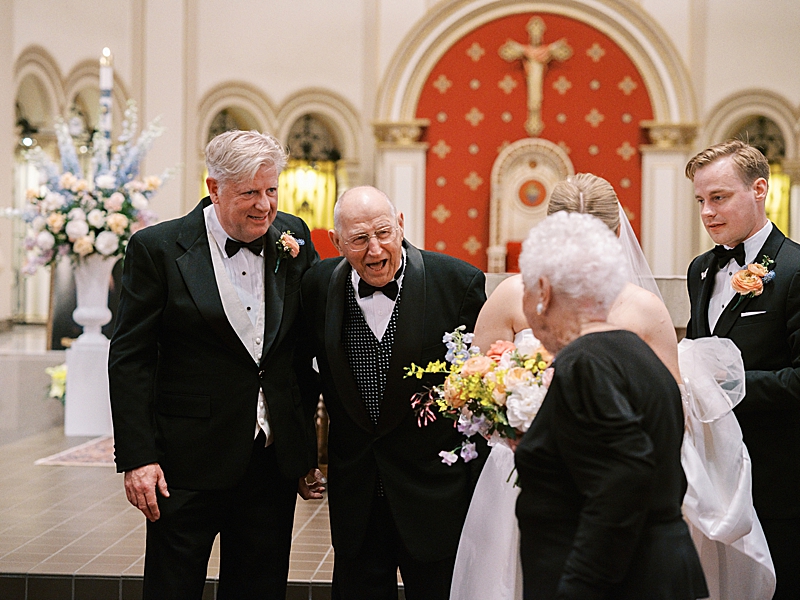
(706, 289)
(408, 342)
(730, 315)
(197, 271)
(345, 382)
(274, 288)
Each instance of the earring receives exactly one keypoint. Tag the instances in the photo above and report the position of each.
(539, 308)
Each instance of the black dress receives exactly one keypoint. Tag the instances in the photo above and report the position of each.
(601, 478)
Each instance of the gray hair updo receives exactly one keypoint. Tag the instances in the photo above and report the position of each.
(581, 258)
(238, 155)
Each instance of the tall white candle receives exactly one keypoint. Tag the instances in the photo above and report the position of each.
(106, 85)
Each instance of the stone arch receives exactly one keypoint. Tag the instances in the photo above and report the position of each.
(36, 62)
(336, 112)
(627, 24)
(234, 94)
(730, 113)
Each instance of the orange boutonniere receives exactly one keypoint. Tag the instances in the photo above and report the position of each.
(288, 247)
(749, 282)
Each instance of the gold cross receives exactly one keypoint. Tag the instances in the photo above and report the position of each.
(535, 57)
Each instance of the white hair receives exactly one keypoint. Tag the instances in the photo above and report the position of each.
(579, 255)
(238, 155)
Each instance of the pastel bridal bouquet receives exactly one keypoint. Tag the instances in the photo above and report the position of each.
(75, 214)
(493, 394)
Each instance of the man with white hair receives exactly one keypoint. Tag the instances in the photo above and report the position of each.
(372, 313)
(212, 397)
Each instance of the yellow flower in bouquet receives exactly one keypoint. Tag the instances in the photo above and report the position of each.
(497, 393)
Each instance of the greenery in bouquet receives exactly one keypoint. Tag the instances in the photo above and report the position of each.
(492, 394)
(75, 214)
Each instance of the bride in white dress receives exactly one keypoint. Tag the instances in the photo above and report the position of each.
(718, 503)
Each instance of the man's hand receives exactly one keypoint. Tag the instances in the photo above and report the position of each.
(140, 488)
(312, 485)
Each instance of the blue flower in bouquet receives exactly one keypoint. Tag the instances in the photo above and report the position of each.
(75, 214)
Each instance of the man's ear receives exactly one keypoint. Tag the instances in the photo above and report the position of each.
(213, 189)
(760, 187)
(335, 240)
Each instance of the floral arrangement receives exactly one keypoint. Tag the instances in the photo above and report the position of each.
(492, 394)
(58, 382)
(749, 282)
(76, 215)
(288, 247)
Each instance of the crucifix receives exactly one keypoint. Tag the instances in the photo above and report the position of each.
(535, 56)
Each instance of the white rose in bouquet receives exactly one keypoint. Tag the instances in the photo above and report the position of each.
(114, 202)
(76, 229)
(38, 223)
(84, 245)
(53, 201)
(523, 404)
(96, 218)
(76, 214)
(138, 201)
(107, 243)
(45, 240)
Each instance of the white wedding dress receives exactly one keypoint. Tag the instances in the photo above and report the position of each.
(718, 502)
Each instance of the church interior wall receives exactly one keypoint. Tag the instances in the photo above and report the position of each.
(174, 57)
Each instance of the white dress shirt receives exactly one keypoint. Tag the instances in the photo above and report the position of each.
(241, 277)
(723, 292)
(378, 307)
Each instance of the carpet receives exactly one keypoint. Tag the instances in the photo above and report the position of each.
(98, 452)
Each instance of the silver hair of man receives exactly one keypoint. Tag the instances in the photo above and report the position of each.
(238, 155)
(337, 210)
(580, 256)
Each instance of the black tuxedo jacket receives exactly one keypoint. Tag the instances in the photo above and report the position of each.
(428, 499)
(183, 387)
(766, 329)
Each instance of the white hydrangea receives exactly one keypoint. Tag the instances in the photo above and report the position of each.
(107, 243)
(76, 214)
(138, 201)
(53, 201)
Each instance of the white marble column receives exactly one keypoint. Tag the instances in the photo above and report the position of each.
(668, 208)
(9, 137)
(401, 172)
(792, 169)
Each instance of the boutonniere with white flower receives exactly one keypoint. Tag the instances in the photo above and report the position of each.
(288, 247)
(750, 281)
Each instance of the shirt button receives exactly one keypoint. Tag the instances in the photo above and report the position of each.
(244, 272)
(258, 341)
(248, 308)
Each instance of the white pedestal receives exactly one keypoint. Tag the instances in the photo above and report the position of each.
(87, 408)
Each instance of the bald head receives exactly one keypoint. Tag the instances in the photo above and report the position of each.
(357, 197)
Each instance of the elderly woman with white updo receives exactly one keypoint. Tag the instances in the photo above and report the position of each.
(600, 468)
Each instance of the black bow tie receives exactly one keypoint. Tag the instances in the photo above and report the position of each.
(390, 290)
(232, 246)
(724, 255)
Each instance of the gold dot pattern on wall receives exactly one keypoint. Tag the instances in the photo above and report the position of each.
(474, 84)
(627, 85)
(472, 213)
(441, 214)
(561, 118)
(474, 116)
(441, 149)
(476, 52)
(594, 85)
(626, 118)
(503, 146)
(594, 150)
(563, 145)
(442, 83)
(595, 117)
(472, 245)
(441, 246)
(473, 149)
(507, 84)
(625, 183)
(473, 181)
(626, 151)
(562, 85)
(441, 117)
(596, 52)
(441, 181)
(506, 117)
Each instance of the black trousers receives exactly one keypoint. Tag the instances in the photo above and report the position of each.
(254, 520)
(371, 574)
(783, 539)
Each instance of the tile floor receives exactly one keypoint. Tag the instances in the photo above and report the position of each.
(64, 528)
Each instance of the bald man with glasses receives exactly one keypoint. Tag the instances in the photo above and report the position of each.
(372, 312)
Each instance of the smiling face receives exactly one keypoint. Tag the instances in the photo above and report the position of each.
(246, 209)
(731, 210)
(363, 211)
